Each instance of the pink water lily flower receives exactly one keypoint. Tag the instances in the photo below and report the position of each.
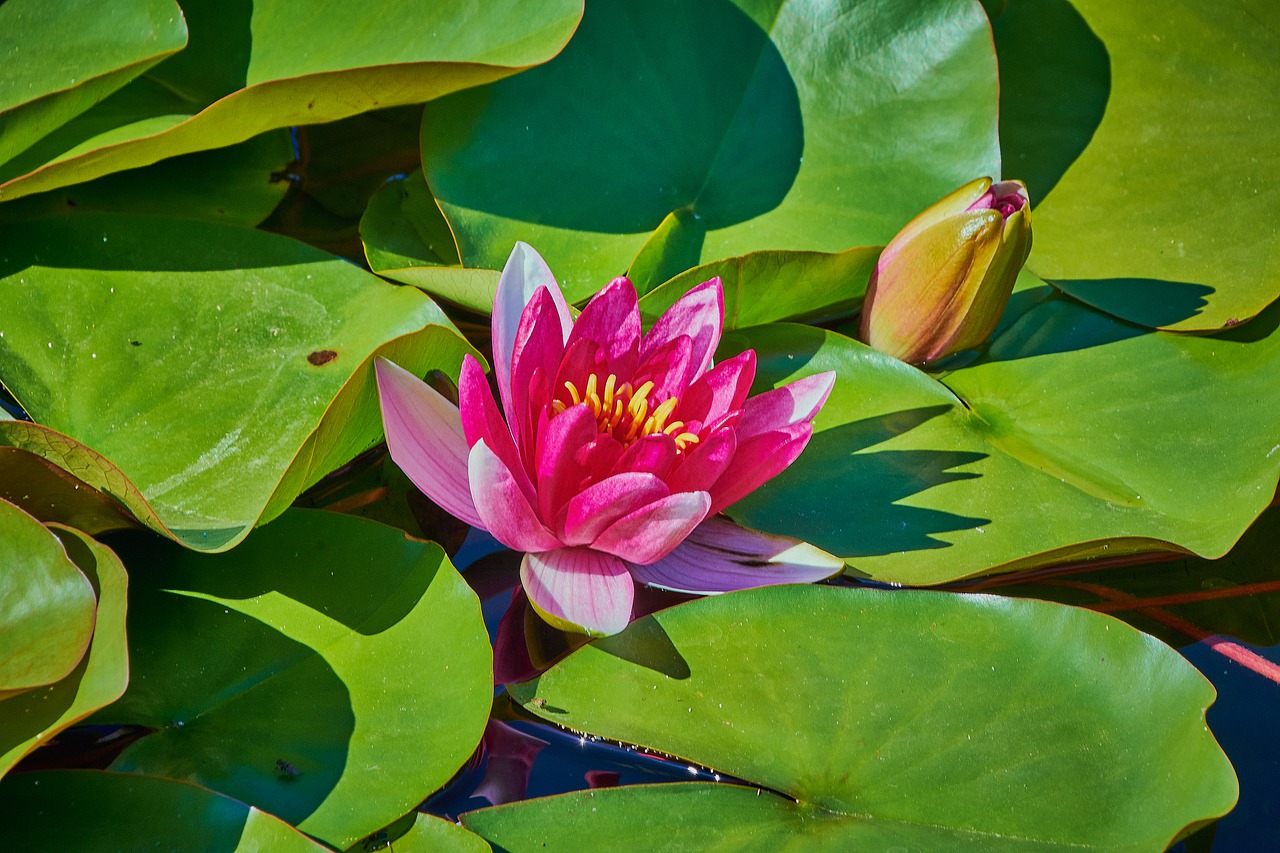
(612, 451)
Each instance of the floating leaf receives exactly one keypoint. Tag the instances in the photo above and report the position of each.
(254, 67)
(788, 124)
(46, 605)
(93, 810)
(51, 494)
(1150, 133)
(422, 833)
(247, 353)
(764, 287)
(61, 61)
(921, 719)
(329, 670)
(407, 239)
(242, 184)
(34, 717)
(1078, 435)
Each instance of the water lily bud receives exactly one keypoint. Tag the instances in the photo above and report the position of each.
(941, 284)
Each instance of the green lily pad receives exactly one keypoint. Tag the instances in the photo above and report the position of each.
(92, 810)
(51, 494)
(32, 718)
(765, 287)
(330, 671)
(931, 720)
(1135, 220)
(61, 61)
(46, 605)
(248, 354)
(406, 239)
(1075, 435)
(240, 184)
(254, 67)
(422, 833)
(785, 124)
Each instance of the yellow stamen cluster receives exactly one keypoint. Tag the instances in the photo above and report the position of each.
(623, 412)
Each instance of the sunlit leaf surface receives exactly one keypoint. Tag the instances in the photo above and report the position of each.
(329, 671)
(790, 124)
(202, 374)
(1031, 726)
(1147, 135)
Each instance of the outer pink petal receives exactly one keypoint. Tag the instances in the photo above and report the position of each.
(705, 463)
(790, 404)
(425, 437)
(721, 389)
(559, 468)
(578, 589)
(502, 505)
(698, 314)
(482, 422)
(651, 532)
(596, 507)
(720, 556)
(758, 460)
(612, 320)
(524, 273)
(539, 346)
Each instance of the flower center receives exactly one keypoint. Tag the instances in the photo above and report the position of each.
(623, 412)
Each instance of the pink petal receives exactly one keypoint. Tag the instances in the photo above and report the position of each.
(596, 507)
(523, 274)
(667, 367)
(654, 454)
(705, 463)
(758, 460)
(502, 505)
(699, 314)
(720, 556)
(425, 438)
(649, 533)
(612, 320)
(721, 389)
(578, 589)
(560, 472)
(482, 422)
(539, 346)
(787, 405)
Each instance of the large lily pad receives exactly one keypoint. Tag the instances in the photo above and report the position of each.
(34, 717)
(788, 124)
(241, 183)
(92, 810)
(330, 671)
(928, 720)
(253, 67)
(1075, 435)
(46, 605)
(202, 374)
(1153, 123)
(59, 61)
(765, 287)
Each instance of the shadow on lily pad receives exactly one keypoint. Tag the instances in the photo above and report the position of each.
(867, 486)
(652, 107)
(1055, 80)
(1149, 301)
